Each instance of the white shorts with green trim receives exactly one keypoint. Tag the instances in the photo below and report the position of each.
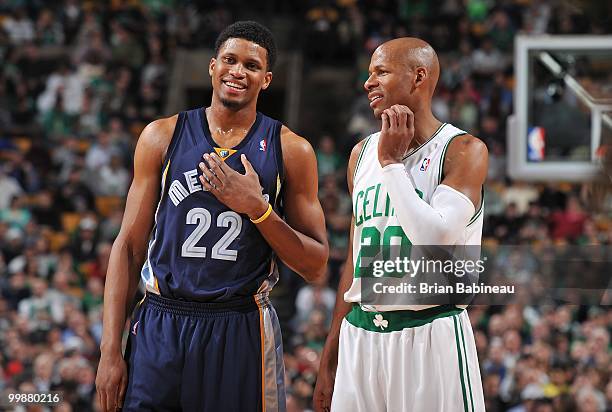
(417, 361)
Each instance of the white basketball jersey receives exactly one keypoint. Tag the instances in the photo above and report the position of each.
(375, 220)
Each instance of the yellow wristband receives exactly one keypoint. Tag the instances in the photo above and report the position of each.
(264, 216)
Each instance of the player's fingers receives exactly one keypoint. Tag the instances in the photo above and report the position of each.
(214, 163)
(223, 167)
(385, 122)
(207, 184)
(102, 400)
(122, 388)
(409, 117)
(402, 117)
(393, 118)
(109, 399)
(213, 176)
(248, 167)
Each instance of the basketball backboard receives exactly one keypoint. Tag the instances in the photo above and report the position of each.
(562, 107)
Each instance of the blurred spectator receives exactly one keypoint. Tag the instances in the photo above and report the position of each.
(48, 30)
(486, 59)
(19, 26)
(75, 195)
(9, 189)
(315, 296)
(328, 160)
(114, 178)
(125, 48)
(568, 224)
(16, 215)
(85, 240)
(63, 92)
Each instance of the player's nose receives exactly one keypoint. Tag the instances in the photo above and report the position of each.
(237, 70)
(370, 83)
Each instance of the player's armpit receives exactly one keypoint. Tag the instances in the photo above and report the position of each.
(465, 166)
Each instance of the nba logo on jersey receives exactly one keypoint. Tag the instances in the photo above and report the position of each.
(536, 143)
(262, 145)
(425, 164)
(223, 152)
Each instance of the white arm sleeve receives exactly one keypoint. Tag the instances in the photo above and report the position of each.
(438, 223)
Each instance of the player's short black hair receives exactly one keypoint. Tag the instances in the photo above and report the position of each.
(251, 31)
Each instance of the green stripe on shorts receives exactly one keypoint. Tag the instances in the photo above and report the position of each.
(467, 365)
(459, 358)
(394, 321)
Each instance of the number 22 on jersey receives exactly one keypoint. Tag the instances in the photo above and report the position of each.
(203, 219)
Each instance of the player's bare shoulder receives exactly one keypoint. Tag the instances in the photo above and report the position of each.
(295, 147)
(466, 152)
(156, 136)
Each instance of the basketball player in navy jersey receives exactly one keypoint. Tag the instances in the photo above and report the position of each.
(237, 190)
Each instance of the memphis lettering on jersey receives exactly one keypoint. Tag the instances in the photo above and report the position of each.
(177, 192)
(373, 202)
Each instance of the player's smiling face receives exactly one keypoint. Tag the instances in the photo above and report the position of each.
(389, 81)
(239, 72)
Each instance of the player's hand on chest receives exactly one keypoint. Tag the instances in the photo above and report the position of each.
(240, 192)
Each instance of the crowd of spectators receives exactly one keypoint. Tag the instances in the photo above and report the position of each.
(78, 82)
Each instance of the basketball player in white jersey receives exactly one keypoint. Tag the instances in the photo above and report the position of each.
(420, 181)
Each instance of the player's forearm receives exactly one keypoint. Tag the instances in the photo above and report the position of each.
(119, 291)
(437, 224)
(303, 254)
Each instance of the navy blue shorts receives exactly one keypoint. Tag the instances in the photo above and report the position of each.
(191, 356)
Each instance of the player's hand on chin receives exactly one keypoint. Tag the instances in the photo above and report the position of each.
(239, 192)
(396, 134)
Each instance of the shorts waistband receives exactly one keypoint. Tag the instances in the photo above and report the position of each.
(393, 321)
(183, 307)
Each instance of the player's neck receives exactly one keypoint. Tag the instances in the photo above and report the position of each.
(224, 119)
(425, 125)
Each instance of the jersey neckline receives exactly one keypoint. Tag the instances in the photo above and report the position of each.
(425, 142)
(244, 141)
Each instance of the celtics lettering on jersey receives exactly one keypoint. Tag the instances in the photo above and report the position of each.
(377, 240)
(377, 234)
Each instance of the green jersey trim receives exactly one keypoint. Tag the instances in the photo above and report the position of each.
(443, 157)
(385, 322)
(480, 208)
(425, 143)
(363, 149)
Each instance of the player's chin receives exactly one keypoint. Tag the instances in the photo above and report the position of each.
(233, 104)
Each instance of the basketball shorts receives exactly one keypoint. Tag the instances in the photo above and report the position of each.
(191, 356)
(418, 361)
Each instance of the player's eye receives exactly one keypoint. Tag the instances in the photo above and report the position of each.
(229, 60)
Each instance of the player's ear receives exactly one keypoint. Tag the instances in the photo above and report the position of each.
(420, 76)
(267, 81)
(211, 66)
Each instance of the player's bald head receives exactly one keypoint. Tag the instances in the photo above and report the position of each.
(412, 52)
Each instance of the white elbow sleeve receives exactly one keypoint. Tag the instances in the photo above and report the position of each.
(439, 222)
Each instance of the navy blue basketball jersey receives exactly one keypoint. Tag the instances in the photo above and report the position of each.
(200, 250)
